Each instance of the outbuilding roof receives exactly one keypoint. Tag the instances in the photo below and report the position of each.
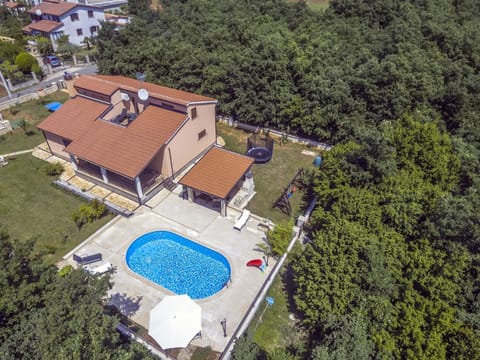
(217, 172)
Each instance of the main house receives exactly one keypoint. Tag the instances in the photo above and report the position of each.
(133, 137)
(53, 19)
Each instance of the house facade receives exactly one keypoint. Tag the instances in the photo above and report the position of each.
(130, 136)
(53, 19)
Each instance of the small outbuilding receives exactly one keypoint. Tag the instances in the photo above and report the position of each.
(219, 174)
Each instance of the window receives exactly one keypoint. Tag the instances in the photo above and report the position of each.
(90, 13)
(202, 133)
(194, 113)
(74, 17)
(93, 29)
(79, 32)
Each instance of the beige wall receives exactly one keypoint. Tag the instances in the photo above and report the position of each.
(185, 145)
(114, 111)
(56, 145)
(157, 162)
(116, 97)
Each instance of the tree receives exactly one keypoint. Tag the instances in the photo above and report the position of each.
(43, 313)
(25, 62)
(245, 349)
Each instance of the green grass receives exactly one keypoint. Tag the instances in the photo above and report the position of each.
(270, 178)
(33, 112)
(31, 207)
(275, 330)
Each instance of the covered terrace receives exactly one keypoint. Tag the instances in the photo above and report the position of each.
(217, 176)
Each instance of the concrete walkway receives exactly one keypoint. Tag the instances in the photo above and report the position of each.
(17, 153)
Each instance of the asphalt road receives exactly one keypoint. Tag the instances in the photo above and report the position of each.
(89, 69)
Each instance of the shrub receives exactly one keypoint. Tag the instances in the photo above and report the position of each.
(88, 213)
(54, 169)
(205, 353)
(24, 62)
(65, 270)
(279, 238)
(15, 110)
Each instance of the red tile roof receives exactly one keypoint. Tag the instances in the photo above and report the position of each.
(13, 5)
(217, 172)
(53, 8)
(127, 150)
(45, 26)
(93, 82)
(74, 118)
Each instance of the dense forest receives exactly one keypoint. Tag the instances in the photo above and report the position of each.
(392, 268)
(47, 314)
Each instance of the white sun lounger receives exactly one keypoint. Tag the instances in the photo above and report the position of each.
(101, 269)
(242, 220)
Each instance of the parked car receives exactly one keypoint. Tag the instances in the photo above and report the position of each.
(52, 60)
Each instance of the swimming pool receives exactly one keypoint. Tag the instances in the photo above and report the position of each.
(178, 264)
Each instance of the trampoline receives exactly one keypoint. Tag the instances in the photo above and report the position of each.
(260, 148)
(260, 154)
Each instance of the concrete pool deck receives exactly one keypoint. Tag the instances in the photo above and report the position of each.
(135, 296)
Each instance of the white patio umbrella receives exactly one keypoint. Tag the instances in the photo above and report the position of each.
(174, 321)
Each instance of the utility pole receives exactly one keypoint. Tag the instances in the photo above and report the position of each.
(5, 85)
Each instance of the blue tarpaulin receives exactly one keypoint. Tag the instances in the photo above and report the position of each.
(53, 106)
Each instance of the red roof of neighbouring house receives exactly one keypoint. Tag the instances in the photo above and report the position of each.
(74, 118)
(53, 8)
(12, 5)
(45, 26)
(107, 84)
(217, 172)
(127, 150)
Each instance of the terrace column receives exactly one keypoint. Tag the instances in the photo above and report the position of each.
(190, 194)
(73, 161)
(223, 207)
(104, 174)
(138, 185)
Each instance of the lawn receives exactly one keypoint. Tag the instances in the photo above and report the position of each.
(273, 327)
(32, 112)
(31, 207)
(270, 178)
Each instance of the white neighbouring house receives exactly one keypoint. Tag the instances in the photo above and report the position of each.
(53, 19)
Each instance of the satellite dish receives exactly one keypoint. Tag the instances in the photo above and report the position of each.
(125, 97)
(38, 12)
(142, 94)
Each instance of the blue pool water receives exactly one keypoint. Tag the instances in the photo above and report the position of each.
(178, 264)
